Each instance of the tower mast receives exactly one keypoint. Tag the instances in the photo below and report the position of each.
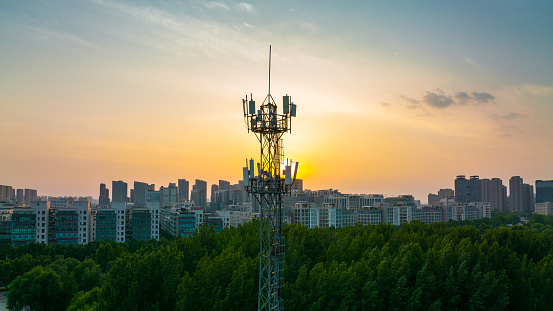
(268, 184)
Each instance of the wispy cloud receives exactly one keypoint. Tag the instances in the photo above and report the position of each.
(206, 37)
(244, 6)
(383, 104)
(507, 130)
(462, 97)
(437, 100)
(483, 97)
(51, 35)
(536, 89)
(440, 100)
(411, 100)
(509, 116)
(216, 5)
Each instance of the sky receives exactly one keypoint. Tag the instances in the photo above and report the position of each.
(393, 97)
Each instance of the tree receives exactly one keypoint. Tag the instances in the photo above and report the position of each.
(86, 301)
(40, 289)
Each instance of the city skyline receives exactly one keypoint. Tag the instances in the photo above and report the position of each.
(392, 99)
(489, 190)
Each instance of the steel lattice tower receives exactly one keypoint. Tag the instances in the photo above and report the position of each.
(269, 184)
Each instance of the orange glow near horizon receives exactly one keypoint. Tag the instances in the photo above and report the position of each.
(378, 111)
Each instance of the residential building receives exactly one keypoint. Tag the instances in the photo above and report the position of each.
(543, 208)
(297, 185)
(184, 191)
(433, 199)
(224, 185)
(468, 190)
(6, 193)
(521, 195)
(445, 193)
(139, 193)
(119, 191)
(30, 195)
(84, 220)
(368, 216)
(495, 193)
(428, 215)
(20, 196)
(544, 191)
(182, 219)
(103, 200)
(120, 227)
(24, 226)
(529, 199)
(168, 195)
(105, 224)
(43, 211)
(5, 225)
(199, 193)
(153, 196)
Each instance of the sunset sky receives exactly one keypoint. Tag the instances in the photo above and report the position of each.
(394, 97)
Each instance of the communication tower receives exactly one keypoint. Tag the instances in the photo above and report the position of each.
(268, 184)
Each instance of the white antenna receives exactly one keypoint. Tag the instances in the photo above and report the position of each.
(269, 70)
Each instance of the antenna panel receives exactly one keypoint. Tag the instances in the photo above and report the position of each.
(252, 171)
(246, 177)
(288, 175)
(252, 107)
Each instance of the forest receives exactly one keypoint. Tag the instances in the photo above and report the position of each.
(486, 264)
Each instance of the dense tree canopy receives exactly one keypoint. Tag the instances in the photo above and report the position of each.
(478, 265)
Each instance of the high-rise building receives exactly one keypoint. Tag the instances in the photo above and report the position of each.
(495, 193)
(6, 193)
(168, 195)
(515, 194)
(298, 185)
(521, 195)
(72, 224)
(118, 191)
(103, 200)
(433, 199)
(468, 190)
(184, 190)
(199, 193)
(30, 195)
(24, 227)
(3, 192)
(544, 191)
(528, 197)
(214, 201)
(144, 222)
(461, 185)
(20, 197)
(445, 194)
(224, 185)
(140, 189)
(152, 195)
